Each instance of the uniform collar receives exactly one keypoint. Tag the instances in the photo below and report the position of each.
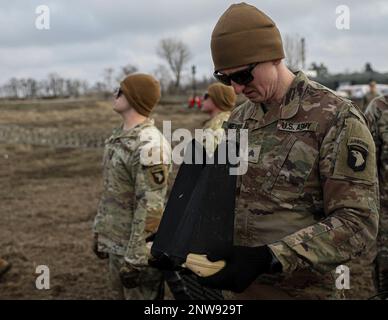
(120, 133)
(294, 96)
(221, 115)
(286, 110)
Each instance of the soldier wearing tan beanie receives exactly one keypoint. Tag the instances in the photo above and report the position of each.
(245, 35)
(308, 201)
(136, 168)
(246, 45)
(142, 92)
(222, 96)
(218, 103)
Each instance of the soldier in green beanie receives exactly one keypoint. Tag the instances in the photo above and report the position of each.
(309, 200)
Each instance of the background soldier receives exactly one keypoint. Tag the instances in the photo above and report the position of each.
(217, 102)
(373, 93)
(308, 202)
(136, 167)
(377, 114)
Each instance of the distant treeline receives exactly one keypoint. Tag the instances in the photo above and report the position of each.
(55, 86)
(52, 87)
(173, 78)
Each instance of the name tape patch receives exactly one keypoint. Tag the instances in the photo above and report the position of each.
(297, 126)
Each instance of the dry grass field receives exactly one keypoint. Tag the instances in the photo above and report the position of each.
(49, 196)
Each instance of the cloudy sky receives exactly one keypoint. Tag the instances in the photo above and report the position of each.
(89, 35)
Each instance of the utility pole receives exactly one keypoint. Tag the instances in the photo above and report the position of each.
(193, 72)
(303, 53)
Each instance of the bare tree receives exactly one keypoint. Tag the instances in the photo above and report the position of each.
(294, 50)
(100, 89)
(56, 85)
(44, 88)
(72, 87)
(84, 87)
(108, 75)
(177, 54)
(13, 87)
(23, 88)
(32, 86)
(164, 77)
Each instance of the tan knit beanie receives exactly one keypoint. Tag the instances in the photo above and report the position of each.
(142, 92)
(244, 35)
(223, 96)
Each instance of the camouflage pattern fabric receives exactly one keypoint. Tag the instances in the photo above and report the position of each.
(310, 192)
(368, 99)
(136, 166)
(377, 115)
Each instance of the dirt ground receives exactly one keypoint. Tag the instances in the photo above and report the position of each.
(49, 197)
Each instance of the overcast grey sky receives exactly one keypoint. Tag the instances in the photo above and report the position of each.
(87, 36)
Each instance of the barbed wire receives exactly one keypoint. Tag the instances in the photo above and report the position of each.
(52, 137)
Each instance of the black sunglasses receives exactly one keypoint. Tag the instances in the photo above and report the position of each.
(242, 77)
(205, 96)
(117, 93)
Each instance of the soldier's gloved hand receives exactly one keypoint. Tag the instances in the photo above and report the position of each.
(129, 276)
(243, 266)
(99, 254)
(163, 262)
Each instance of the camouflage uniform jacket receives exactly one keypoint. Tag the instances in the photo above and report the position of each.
(216, 122)
(377, 115)
(134, 192)
(310, 191)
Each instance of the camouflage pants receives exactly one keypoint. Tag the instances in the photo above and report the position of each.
(381, 266)
(151, 287)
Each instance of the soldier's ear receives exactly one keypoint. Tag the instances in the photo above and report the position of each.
(276, 62)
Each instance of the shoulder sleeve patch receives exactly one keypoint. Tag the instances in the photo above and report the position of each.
(156, 176)
(356, 156)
